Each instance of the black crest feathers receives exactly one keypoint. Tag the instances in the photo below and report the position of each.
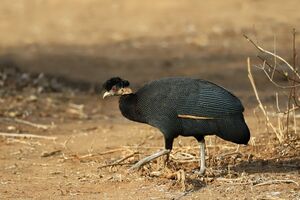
(117, 81)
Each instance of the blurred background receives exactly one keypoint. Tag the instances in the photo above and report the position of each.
(93, 40)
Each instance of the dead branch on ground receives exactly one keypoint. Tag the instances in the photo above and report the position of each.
(120, 161)
(27, 135)
(270, 182)
(255, 183)
(35, 125)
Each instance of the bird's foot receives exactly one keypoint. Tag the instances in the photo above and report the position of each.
(135, 167)
(142, 162)
(201, 172)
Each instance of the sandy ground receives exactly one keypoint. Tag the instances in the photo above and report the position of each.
(87, 42)
(91, 134)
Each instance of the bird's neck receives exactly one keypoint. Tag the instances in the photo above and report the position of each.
(126, 91)
(129, 108)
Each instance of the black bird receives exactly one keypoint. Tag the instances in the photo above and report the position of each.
(182, 106)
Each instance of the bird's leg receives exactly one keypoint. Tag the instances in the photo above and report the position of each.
(169, 146)
(166, 151)
(167, 159)
(149, 158)
(202, 157)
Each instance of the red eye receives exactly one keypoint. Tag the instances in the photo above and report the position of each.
(114, 88)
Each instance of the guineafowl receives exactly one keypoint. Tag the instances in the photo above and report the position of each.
(182, 106)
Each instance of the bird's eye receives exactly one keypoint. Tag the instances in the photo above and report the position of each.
(114, 88)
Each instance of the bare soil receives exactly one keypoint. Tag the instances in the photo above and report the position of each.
(80, 44)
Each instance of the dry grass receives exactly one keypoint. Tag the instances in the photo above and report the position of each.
(282, 121)
(77, 163)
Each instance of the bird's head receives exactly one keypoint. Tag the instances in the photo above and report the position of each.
(116, 87)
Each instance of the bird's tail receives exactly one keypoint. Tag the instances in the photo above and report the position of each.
(234, 129)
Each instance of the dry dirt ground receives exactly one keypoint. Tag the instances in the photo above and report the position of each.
(87, 146)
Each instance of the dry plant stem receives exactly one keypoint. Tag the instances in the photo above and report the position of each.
(35, 125)
(276, 182)
(52, 153)
(39, 126)
(26, 135)
(295, 68)
(293, 109)
(276, 84)
(281, 114)
(270, 182)
(65, 144)
(182, 156)
(277, 103)
(230, 154)
(272, 54)
(229, 179)
(118, 162)
(89, 155)
(293, 90)
(111, 151)
(276, 70)
(185, 147)
(13, 140)
(279, 135)
(263, 68)
(288, 111)
(188, 161)
(181, 176)
(295, 121)
(149, 158)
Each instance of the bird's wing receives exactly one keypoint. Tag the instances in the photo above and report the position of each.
(208, 100)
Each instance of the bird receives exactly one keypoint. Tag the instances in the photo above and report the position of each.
(182, 106)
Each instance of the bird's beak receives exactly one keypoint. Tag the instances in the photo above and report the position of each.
(107, 94)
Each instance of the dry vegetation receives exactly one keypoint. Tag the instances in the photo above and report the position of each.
(60, 140)
(77, 148)
(286, 118)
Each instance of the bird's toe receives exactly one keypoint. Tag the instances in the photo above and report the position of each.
(200, 172)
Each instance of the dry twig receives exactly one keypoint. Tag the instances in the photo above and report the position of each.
(276, 182)
(279, 134)
(236, 181)
(51, 153)
(274, 55)
(119, 162)
(283, 118)
(111, 151)
(35, 125)
(26, 135)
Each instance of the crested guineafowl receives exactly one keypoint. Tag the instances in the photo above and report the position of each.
(182, 106)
